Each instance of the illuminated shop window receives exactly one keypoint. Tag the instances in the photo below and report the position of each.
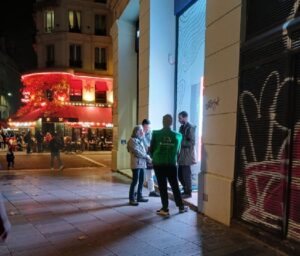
(100, 58)
(76, 91)
(100, 92)
(49, 21)
(100, 25)
(190, 66)
(75, 21)
(75, 56)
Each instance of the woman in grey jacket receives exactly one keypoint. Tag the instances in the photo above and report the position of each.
(138, 161)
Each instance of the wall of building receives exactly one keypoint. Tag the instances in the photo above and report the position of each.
(125, 84)
(9, 83)
(157, 67)
(61, 38)
(223, 19)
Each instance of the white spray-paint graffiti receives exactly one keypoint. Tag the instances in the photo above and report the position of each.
(265, 179)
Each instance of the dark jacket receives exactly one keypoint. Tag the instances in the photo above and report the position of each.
(10, 156)
(55, 145)
(187, 152)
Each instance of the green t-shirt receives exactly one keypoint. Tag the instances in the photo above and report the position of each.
(165, 146)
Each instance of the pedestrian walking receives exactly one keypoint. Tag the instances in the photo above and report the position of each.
(55, 146)
(39, 141)
(187, 154)
(28, 140)
(164, 149)
(138, 162)
(10, 158)
(149, 169)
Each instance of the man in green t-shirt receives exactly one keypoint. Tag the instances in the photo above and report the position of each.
(164, 149)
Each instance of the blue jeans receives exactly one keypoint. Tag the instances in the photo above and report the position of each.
(137, 178)
(57, 156)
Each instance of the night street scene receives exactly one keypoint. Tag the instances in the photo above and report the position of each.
(149, 127)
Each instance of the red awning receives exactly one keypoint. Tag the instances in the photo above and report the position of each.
(29, 117)
(76, 84)
(85, 114)
(78, 113)
(100, 86)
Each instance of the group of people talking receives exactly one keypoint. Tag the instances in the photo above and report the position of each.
(168, 154)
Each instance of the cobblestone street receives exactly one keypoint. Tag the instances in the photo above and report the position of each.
(86, 212)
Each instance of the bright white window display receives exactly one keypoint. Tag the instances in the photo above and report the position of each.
(190, 71)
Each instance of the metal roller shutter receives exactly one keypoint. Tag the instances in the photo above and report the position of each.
(263, 15)
(294, 203)
(263, 122)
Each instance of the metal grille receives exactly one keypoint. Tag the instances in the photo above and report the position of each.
(263, 105)
(263, 51)
(262, 15)
(294, 205)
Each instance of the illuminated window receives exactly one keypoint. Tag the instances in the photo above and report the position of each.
(76, 90)
(49, 21)
(100, 92)
(75, 56)
(75, 21)
(50, 59)
(100, 58)
(100, 25)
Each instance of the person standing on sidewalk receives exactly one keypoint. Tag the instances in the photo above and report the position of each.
(10, 158)
(39, 140)
(187, 154)
(55, 145)
(149, 170)
(138, 162)
(164, 149)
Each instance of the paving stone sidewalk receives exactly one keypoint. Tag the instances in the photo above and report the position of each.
(86, 212)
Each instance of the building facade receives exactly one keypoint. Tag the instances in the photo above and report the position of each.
(249, 130)
(9, 84)
(73, 80)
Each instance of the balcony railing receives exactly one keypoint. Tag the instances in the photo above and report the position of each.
(100, 32)
(50, 63)
(75, 63)
(102, 66)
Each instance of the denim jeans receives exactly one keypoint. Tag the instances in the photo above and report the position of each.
(137, 178)
(57, 156)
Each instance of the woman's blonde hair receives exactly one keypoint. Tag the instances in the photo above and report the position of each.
(135, 131)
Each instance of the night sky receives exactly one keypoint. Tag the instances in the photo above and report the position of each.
(18, 28)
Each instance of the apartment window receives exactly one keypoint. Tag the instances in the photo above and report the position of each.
(76, 90)
(100, 25)
(100, 92)
(75, 21)
(50, 59)
(100, 58)
(49, 21)
(75, 56)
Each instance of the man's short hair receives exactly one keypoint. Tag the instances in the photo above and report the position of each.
(167, 120)
(184, 114)
(146, 121)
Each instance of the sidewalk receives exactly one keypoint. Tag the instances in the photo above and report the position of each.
(86, 212)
